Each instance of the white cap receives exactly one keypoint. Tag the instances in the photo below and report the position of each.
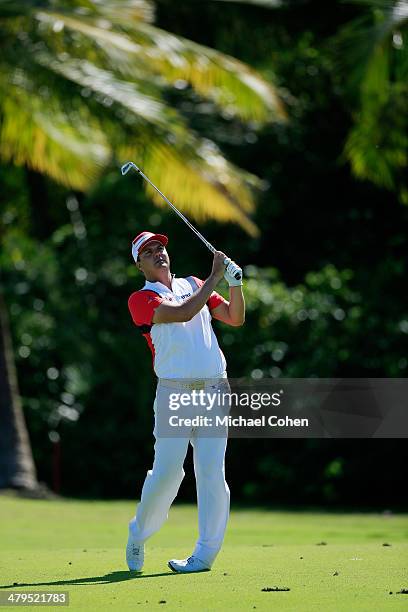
(143, 238)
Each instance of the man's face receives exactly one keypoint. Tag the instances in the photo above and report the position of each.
(153, 258)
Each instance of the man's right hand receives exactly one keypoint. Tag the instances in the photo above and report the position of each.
(218, 267)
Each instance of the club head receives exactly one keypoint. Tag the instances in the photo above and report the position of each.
(126, 167)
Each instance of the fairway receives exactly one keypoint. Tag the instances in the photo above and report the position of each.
(328, 561)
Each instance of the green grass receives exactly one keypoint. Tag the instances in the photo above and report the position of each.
(79, 546)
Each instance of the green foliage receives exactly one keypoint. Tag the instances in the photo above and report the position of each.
(86, 373)
(83, 82)
(324, 279)
(373, 54)
(290, 322)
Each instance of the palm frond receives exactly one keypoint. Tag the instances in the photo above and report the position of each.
(73, 149)
(219, 77)
(223, 79)
(375, 59)
(361, 43)
(377, 145)
(105, 84)
(81, 84)
(112, 10)
(195, 189)
(117, 11)
(72, 152)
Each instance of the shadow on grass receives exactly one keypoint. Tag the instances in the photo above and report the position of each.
(106, 579)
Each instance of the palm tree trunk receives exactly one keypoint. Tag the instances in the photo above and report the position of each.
(17, 469)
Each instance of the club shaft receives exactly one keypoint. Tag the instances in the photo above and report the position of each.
(186, 221)
(125, 169)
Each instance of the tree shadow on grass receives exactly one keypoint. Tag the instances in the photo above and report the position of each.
(106, 579)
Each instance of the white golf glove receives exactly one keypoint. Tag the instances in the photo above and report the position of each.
(230, 272)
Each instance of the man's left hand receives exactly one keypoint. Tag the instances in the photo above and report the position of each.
(230, 272)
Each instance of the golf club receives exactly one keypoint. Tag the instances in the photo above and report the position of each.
(129, 165)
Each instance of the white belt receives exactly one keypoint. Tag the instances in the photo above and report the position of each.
(192, 383)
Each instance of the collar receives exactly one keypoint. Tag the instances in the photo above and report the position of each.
(158, 285)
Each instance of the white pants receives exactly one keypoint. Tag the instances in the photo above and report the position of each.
(163, 481)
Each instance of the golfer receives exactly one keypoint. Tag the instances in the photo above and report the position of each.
(174, 315)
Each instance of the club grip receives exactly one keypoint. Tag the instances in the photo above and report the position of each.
(237, 275)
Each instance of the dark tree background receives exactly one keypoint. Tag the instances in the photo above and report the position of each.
(332, 245)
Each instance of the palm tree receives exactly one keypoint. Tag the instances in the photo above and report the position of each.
(17, 468)
(83, 84)
(373, 54)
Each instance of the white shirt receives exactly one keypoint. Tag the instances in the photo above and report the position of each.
(181, 350)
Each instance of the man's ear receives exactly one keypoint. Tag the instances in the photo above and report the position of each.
(138, 265)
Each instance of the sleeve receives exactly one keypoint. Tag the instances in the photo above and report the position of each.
(142, 305)
(215, 298)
